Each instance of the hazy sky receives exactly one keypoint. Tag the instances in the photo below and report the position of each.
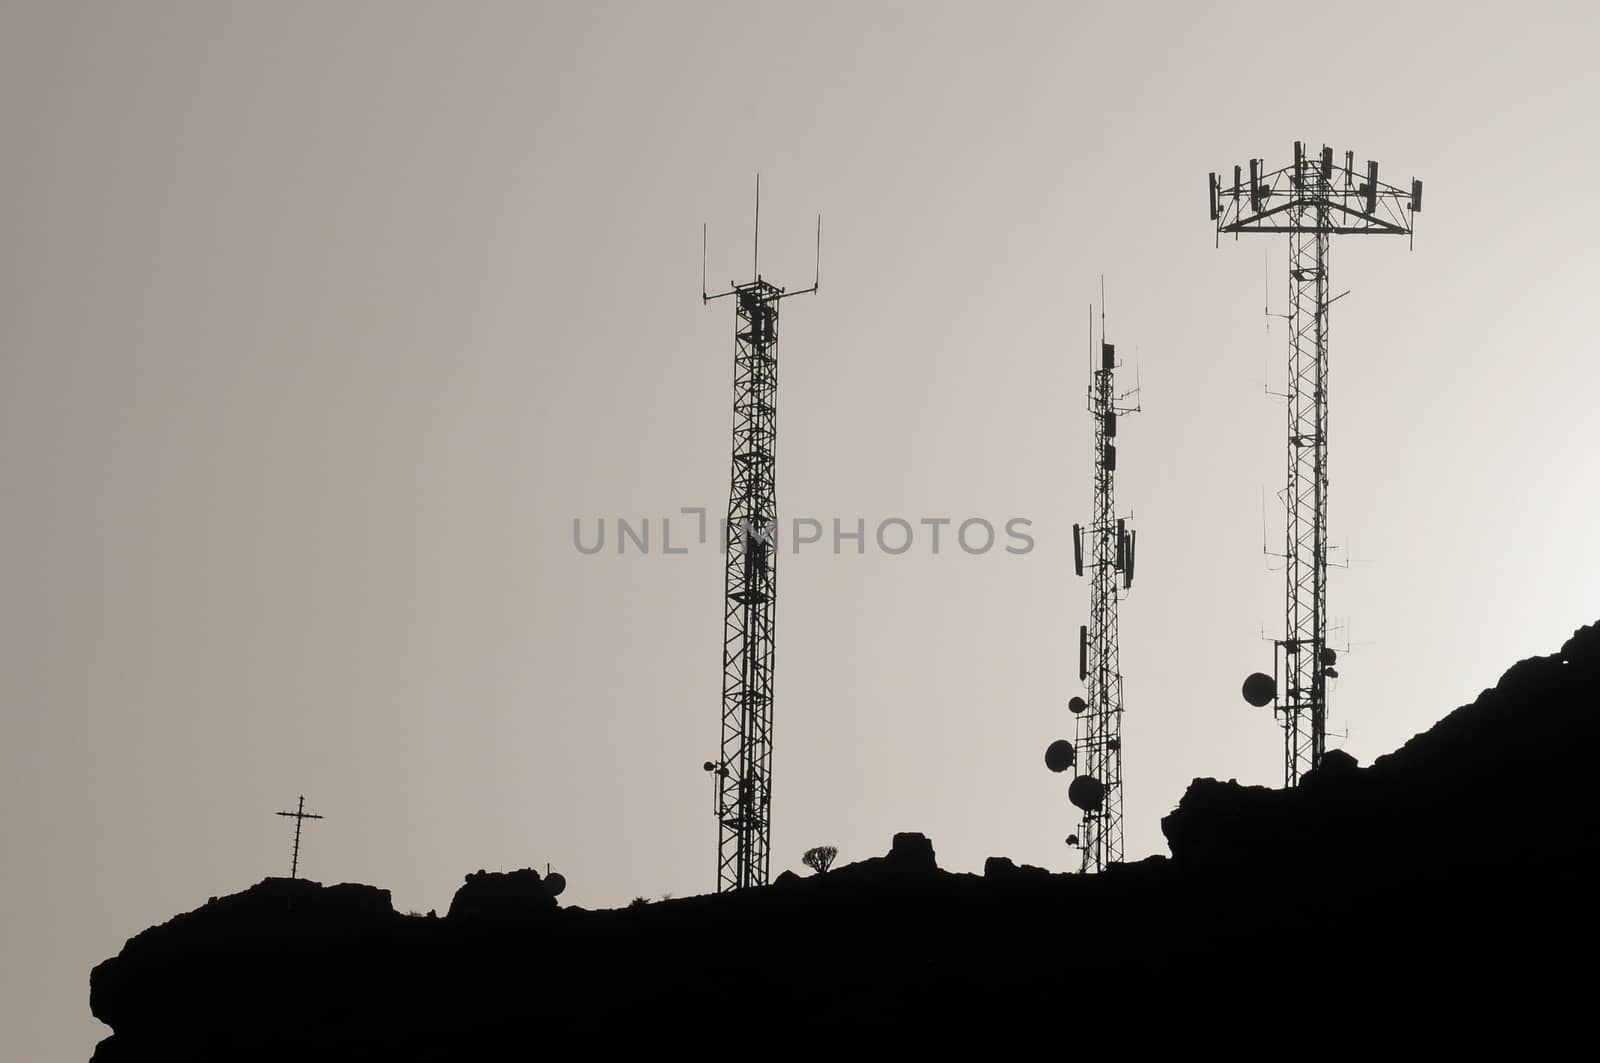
(319, 324)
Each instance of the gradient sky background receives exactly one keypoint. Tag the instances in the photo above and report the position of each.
(319, 324)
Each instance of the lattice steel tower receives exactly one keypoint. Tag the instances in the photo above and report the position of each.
(1106, 548)
(1311, 201)
(742, 774)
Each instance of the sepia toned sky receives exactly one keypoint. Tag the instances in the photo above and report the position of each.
(320, 324)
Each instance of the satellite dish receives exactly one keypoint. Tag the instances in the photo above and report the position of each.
(1059, 756)
(1077, 705)
(554, 883)
(1328, 657)
(1260, 688)
(1072, 839)
(709, 766)
(1087, 792)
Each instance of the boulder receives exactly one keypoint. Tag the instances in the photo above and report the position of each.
(502, 895)
(912, 853)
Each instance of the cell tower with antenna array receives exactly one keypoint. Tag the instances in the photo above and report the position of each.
(742, 774)
(1106, 549)
(1310, 201)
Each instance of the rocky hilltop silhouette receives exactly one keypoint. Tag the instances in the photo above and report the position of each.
(1445, 887)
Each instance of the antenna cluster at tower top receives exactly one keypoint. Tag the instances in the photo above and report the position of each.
(1349, 200)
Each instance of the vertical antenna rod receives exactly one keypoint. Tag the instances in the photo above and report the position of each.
(1310, 201)
(299, 815)
(742, 773)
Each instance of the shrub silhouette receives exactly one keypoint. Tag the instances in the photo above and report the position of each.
(820, 858)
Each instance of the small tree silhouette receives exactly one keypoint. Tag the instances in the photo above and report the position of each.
(820, 858)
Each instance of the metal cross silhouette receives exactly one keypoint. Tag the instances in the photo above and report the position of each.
(299, 815)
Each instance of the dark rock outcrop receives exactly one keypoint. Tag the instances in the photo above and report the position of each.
(912, 854)
(1492, 790)
(1455, 867)
(502, 895)
(1003, 869)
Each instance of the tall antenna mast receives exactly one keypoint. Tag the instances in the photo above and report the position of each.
(1106, 548)
(742, 773)
(299, 815)
(1311, 201)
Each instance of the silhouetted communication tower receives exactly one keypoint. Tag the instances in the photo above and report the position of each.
(742, 774)
(1311, 200)
(299, 815)
(1106, 548)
